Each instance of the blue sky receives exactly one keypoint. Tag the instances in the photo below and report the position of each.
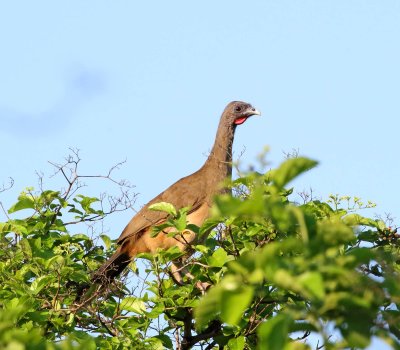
(148, 81)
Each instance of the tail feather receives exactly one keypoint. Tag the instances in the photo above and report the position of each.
(111, 268)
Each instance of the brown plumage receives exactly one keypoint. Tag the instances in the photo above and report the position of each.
(195, 191)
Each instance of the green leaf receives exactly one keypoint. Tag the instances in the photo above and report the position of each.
(202, 248)
(171, 253)
(219, 258)
(273, 335)
(284, 279)
(106, 240)
(299, 215)
(230, 298)
(194, 228)
(156, 311)
(369, 236)
(302, 326)
(166, 340)
(357, 340)
(335, 232)
(312, 281)
(74, 210)
(362, 255)
(86, 203)
(133, 304)
(70, 319)
(180, 222)
(39, 283)
(208, 307)
(55, 262)
(26, 248)
(290, 169)
(236, 343)
(155, 343)
(24, 202)
(164, 206)
(159, 228)
(234, 303)
(208, 225)
(356, 219)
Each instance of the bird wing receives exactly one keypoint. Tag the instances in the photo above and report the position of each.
(186, 192)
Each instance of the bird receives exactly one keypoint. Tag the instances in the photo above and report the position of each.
(195, 192)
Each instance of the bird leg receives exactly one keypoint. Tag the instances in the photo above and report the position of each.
(177, 267)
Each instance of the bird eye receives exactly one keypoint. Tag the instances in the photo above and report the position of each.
(238, 109)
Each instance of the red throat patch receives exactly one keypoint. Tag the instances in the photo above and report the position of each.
(239, 121)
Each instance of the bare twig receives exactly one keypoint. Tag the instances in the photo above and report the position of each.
(4, 211)
(58, 288)
(6, 187)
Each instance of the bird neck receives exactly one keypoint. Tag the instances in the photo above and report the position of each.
(220, 157)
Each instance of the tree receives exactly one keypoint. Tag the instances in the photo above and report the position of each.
(279, 272)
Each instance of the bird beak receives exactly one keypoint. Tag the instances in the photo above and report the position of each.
(253, 111)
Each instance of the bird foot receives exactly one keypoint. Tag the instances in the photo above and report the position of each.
(203, 286)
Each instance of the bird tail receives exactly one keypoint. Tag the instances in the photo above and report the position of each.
(111, 268)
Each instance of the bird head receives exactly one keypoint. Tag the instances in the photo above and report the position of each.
(238, 112)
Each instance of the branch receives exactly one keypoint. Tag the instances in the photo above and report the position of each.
(6, 187)
(213, 330)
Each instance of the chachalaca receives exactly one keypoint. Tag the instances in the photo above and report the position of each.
(195, 191)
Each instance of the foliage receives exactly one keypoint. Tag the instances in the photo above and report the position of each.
(278, 273)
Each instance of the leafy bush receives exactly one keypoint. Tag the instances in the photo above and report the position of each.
(276, 272)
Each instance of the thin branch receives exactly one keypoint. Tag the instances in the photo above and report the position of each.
(211, 345)
(6, 187)
(213, 330)
(237, 252)
(4, 211)
(177, 339)
(58, 289)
